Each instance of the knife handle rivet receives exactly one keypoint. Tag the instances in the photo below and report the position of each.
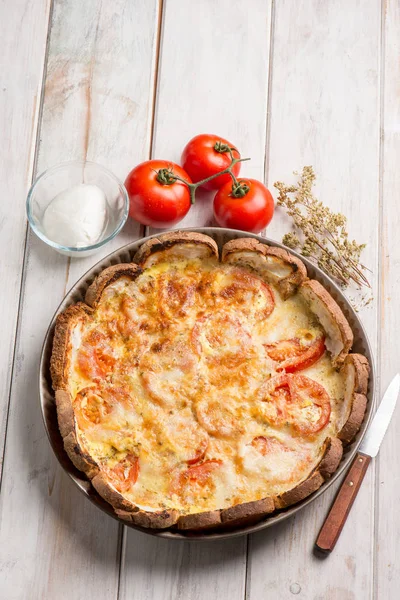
(351, 483)
(360, 460)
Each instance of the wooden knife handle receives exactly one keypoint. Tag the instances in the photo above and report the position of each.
(337, 516)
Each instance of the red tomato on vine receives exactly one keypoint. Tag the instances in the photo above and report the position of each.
(206, 155)
(247, 205)
(156, 197)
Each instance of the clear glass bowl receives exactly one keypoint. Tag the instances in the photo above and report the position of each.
(65, 175)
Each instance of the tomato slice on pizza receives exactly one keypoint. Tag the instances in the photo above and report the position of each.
(275, 394)
(125, 473)
(168, 372)
(96, 357)
(94, 405)
(246, 293)
(176, 296)
(229, 357)
(296, 353)
(221, 338)
(199, 453)
(297, 400)
(183, 436)
(217, 419)
(268, 445)
(310, 408)
(197, 475)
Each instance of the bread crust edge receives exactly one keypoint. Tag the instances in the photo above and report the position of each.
(288, 285)
(336, 314)
(171, 238)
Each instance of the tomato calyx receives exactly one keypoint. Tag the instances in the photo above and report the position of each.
(240, 189)
(167, 176)
(222, 148)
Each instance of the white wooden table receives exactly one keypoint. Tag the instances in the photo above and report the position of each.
(118, 81)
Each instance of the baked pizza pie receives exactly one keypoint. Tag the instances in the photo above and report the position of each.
(200, 389)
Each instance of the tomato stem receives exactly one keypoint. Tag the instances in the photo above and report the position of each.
(222, 148)
(168, 177)
(240, 189)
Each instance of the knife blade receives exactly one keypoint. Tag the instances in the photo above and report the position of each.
(368, 449)
(376, 431)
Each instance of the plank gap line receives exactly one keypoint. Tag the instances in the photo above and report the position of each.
(68, 266)
(89, 91)
(247, 579)
(380, 292)
(121, 548)
(156, 76)
(160, 24)
(269, 93)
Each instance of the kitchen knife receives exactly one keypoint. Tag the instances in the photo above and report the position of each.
(368, 449)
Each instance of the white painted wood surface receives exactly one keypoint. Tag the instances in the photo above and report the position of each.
(387, 481)
(325, 112)
(21, 76)
(291, 83)
(48, 529)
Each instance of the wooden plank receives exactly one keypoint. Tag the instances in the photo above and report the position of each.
(158, 568)
(387, 567)
(325, 112)
(23, 32)
(206, 84)
(99, 89)
(214, 80)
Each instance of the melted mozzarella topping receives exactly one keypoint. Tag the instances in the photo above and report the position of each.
(168, 370)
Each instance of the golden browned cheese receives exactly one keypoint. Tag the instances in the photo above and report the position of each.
(172, 371)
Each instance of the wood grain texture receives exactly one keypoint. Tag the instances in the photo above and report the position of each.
(53, 542)
(213, 78)
(103, 89)
(157, 568)
(387, 486)
(21, 74)
(208, 50)
(338, 513)
(324, 111)
(329, 91)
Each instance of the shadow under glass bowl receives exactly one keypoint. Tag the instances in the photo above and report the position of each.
(59, 178)
(49, 412)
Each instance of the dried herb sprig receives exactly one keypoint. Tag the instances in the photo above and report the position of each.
(320, 233)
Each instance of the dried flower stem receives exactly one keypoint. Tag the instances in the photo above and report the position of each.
(324, 236)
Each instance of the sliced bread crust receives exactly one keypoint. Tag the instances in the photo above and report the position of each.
(108, 276)
(332, 457)
(301, 491)
(176, 244)
(339, 334)
(275, 265)
(356, 368)
(332, 451)
(355, 371)
(356, 417)
(59, 359)
(247, 512)
(149, 520)
(199, 521)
